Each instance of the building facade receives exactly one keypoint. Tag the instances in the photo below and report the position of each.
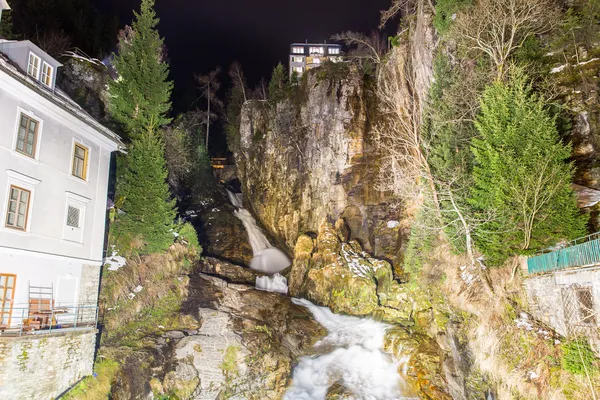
(54, 169)
(305, 56)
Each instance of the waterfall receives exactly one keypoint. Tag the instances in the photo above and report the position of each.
(266, 258)
(356, 361)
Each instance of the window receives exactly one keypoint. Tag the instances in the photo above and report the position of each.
(47, 71)
(297, 59)
(73, 214)
(334, 50)
(316, 50)
(298, 50)
(18, 208)
(33, 68)
(80, 158)
(316, 60)
(7, 293)
(298, 69)
(586, 305)
(27, 136)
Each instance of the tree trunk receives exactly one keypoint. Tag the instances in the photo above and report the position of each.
(207, 118)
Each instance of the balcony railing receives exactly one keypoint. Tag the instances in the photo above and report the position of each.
(577, 253)
(56, 319)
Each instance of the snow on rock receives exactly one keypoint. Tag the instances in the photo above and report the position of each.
(114, 262)
(138, 289)
(393, 224)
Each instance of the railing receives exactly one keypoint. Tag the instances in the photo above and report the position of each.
(24, 321)
(577, 253)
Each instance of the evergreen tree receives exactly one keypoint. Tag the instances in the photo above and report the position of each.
(521, 173)
(278, 83)
(148, 210)
(140, 98)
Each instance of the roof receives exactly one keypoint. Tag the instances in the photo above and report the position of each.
(4, 5)
(59, 98)
(313, 44)
(7, 44)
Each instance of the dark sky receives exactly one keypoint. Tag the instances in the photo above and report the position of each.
(202, 34)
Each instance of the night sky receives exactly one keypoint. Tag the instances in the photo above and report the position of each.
(202, 34)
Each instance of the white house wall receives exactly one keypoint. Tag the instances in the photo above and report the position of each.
(51, 174)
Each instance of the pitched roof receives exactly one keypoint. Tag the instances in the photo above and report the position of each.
(4, 5)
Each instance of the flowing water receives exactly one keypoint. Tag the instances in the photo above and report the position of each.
(266, 258)
(351, 354)
(354, 359)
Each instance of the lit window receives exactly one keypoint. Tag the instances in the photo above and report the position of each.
(47, 74)
(73, 214)
(298, 50)
(316, 60)
(80, 157)
(33, 68)
(297, 59)
(27, 136)
(334, 50)
(18, 208)
(7, 293)
(316, 50)
(298, 69)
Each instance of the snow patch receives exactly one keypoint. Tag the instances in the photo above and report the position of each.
(393, 224)
(114, 262)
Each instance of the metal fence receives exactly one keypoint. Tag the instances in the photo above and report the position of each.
(56, 319)
(577, 253)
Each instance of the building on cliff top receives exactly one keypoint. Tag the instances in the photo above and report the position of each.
(54, 174)
(305, 56)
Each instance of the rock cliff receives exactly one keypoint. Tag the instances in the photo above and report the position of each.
(312, 158)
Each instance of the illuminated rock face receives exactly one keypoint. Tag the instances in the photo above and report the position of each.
(312, 158)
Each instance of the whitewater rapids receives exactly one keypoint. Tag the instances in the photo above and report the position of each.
(357, 361)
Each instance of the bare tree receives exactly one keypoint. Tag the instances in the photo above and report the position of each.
(261, 91)
(209, 85)
(364, 47)
(499, 27)
(239, 80)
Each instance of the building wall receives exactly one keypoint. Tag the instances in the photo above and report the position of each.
(40, 367)
(547, 295)
(51, 179)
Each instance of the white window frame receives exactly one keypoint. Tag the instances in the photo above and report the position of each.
(70, 233)
(297, 50)
(50, 75)
(29, 114)
(39, 68)
(334, 50)
(299, 70)
(87, 166)
(316, 50)
(295, 59)
(22, 181)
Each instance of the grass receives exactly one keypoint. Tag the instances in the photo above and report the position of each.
(95, 387)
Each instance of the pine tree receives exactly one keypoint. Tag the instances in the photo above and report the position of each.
(521, 173)
(141, 96)
(140, 99)
(148, 210)
(278, 83)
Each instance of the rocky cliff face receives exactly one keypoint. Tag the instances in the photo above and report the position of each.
(311, 159)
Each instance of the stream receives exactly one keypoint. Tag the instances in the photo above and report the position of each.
(350, 355)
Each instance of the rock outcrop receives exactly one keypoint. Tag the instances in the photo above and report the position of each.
(313, 158)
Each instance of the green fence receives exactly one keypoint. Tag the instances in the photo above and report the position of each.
(580, 252)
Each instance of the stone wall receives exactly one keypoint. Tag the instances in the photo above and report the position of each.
(553, 299)
(40, 367)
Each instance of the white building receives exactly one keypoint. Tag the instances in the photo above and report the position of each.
(54, 173)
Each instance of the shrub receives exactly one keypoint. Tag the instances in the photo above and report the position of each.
(188, 233)
(578, 357)
(444, 12)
